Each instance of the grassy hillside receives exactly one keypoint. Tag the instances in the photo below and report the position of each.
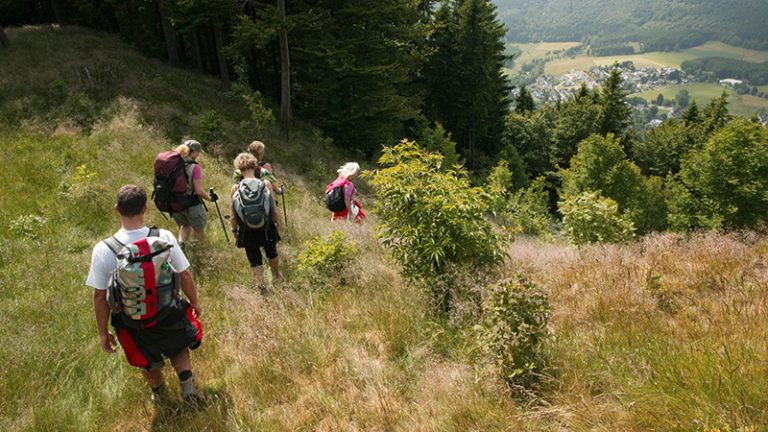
(665, 334)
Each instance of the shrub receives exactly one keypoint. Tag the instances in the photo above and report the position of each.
(726, 180)
(514, 330)
(432, 219)
(28, 226)
(207, 127)
(590, 218)
(602, 166)
(324, 255)
(526, 211)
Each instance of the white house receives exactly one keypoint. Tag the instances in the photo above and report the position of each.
(730, 81)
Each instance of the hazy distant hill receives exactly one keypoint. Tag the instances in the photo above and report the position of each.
(657, 24)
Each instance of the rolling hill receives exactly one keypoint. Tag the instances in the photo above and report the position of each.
(659, 25)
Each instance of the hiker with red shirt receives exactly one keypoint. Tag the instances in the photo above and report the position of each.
(352, 209)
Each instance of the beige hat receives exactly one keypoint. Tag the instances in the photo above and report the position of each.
(193, 145)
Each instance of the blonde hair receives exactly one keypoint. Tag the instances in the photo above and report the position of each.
(348, 169)
(256, 148)
(245, 161)
(183, 150)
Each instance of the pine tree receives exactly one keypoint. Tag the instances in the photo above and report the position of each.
(524, 101)
(614, 112)
(716, 114)
(691, 115)
(466, 89)
(353, 64)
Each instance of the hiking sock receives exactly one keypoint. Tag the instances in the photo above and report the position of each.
(188, 389)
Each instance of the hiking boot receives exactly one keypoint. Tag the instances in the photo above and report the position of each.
(158, 396)
(189, 391)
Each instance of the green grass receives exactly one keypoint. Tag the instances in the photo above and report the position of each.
(702, 93)
(666, 334)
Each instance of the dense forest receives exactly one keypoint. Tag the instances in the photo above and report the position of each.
(366, 73)
(755, 73)
(659, 25)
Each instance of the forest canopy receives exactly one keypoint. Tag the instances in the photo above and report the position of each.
(659, 25)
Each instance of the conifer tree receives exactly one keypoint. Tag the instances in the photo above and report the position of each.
(691, 115)
(353, 64)
(716, 114)
(466, 89)
(524, 101)
(614, 112)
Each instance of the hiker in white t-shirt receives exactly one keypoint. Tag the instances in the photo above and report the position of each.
(169, 334)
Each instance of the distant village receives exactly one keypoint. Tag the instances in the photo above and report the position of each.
(549, 89)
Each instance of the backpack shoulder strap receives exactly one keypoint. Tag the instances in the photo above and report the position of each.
(113, 244)
(153, 232)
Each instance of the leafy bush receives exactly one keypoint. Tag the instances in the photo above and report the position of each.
(261, 115)
(590, 218)
(432, 219)
(28, 226)
(514, 330)
(498, 185)
(526, 211)
(602, 166)
(207, 127)
(85, 195)
(727, 179)
(324, 255)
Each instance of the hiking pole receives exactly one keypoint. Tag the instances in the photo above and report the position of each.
(285, 210)
(221, 219)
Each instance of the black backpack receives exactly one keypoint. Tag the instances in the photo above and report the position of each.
(334, 199)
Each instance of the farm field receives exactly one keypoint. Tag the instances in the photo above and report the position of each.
(652, 59)
(533, 51)
(702, 93)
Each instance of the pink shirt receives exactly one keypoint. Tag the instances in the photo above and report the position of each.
(197, 172)
(349, 191)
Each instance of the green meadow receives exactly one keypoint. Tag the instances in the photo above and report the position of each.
(564, 65)
(702, 93)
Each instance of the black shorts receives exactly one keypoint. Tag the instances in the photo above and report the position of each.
(253, 241)
(146, 348)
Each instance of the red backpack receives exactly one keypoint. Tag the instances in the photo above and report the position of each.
(170, 185)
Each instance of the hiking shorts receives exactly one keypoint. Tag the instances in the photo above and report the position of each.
(195, 216)
(253, 241)
(146, 348)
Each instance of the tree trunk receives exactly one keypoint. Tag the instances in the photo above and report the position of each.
(219, 40)
(195, 45)
(4, 38)
(58, 12)
(285, 71)
(169, 33)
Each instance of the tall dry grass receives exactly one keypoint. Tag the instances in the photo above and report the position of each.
(665, 334)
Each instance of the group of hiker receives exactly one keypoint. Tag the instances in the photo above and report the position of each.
(139, 273)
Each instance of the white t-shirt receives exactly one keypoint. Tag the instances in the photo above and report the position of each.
(103, 261)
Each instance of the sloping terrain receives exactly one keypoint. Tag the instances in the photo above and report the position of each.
(665, 334)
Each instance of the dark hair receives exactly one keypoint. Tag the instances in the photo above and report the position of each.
(131, 200)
